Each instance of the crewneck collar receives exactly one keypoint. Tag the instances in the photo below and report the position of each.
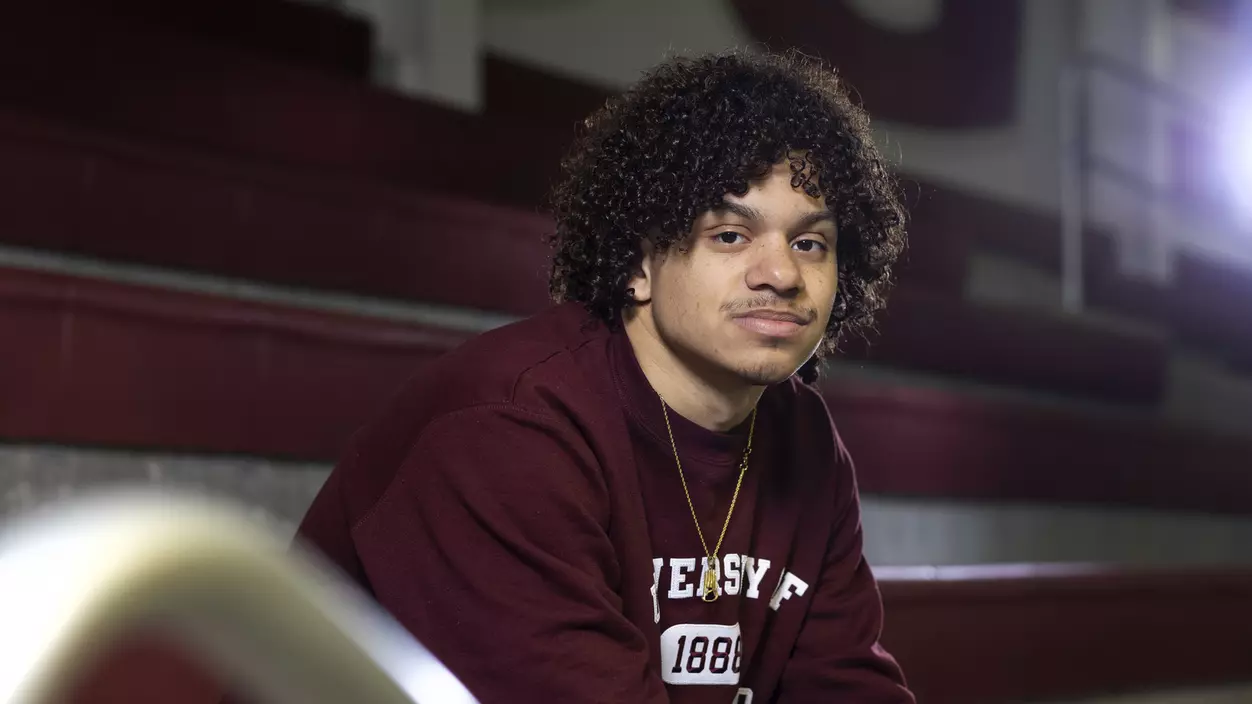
(644, 407)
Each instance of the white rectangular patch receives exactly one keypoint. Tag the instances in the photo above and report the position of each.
(700, 653)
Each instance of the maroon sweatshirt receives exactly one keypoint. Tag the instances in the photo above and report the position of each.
(519, 510)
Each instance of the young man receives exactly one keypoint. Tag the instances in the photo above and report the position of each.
(637, 496)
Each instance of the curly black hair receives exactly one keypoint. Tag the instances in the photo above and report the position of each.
(694, 129)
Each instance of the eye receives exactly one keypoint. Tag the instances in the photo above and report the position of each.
(810, 246)
(728, 237)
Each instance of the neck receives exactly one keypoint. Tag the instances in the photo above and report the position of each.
(711, 400)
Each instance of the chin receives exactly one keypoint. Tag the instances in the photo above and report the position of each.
(767, 372)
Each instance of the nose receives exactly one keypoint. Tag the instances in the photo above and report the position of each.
(774, 267)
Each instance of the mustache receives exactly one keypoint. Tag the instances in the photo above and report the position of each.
(773, 303)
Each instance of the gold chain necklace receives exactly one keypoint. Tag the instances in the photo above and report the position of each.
(709, 587)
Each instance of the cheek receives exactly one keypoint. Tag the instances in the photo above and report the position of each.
(675, 302)
(696, 290)
(824, 284)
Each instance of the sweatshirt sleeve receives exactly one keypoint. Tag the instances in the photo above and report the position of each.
(491, 547)
(837, 657)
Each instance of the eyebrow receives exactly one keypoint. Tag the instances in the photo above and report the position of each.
(747, 212)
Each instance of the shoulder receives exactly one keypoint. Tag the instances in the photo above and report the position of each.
(806, 411)
(510, 383)
(498, 366)
(815, 439)
(507, 454)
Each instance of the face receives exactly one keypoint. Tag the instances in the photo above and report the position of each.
(749, 293)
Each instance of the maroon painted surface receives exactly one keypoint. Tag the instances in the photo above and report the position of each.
(106, 74)
(945, 218)
(301, 33)
(964, 636)
(71, 191)
(986, 635)
(230, 102)
(164, 207)
(95, 362)
(917, 442)
(962, 73)
(1015, 347)
(100, 363)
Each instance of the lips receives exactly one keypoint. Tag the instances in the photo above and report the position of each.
(772, 323)
(785, 316)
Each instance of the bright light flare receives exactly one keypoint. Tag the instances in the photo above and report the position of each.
(1235, 149)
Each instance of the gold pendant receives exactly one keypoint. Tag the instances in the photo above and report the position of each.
(710, 585)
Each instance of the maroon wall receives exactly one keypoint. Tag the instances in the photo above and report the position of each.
(134, 79)
(961, 73)
(75, 191)
(286, 30)
(1000, 634)
(325, 198)
(104, 363)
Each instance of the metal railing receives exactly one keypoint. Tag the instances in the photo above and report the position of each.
(281, 624)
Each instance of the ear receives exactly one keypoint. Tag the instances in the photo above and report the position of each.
(641, 283)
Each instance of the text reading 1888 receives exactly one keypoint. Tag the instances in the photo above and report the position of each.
(699, 657)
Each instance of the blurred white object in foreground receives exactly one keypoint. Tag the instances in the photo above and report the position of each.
(282, 625)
